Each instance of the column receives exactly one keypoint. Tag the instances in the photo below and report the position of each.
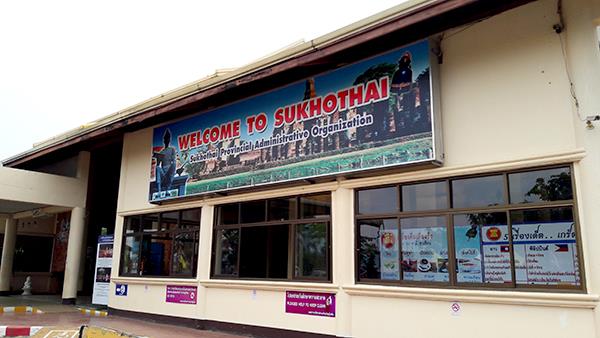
(342, 249)
(74, 257)
(204, 256)
(75, 253)
(8, 251)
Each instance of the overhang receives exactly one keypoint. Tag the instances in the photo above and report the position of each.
(22, 190)
(399, 25)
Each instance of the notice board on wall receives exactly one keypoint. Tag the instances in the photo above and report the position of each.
(373, 114)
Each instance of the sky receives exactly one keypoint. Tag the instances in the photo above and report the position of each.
(66, 63)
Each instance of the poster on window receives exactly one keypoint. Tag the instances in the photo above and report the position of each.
(481, 254)
(468, 254)
(102, 272)
(496, 254)
(544, 253)
(376, 113)
(425, 254)
(389, 254)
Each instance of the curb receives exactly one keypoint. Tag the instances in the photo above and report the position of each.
(91, 312)
(20, 309)
(16, 331)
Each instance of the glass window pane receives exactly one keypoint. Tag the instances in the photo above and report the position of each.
(315, 206)
(424, 249)
(190, 219)
(281, 209)
(183, 253)
(150, 222)
(168, 220)
(311, 250)
(378, 201)
(156, 255)
(132, 224)
(253, 211)
(228, 213)
(379, 256)
(545, 247)
(264, 251)
(482, 248)
(277, 251)
(130, 255)
(541, 185)
(478, 192)
(425, 196)
(226, 258)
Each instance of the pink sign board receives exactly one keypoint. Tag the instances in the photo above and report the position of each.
(310, 303)
(182, 294)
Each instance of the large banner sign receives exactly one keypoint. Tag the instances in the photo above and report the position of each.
(372, 114)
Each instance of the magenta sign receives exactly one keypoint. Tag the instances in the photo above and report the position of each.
(182, 294)
(310, 303)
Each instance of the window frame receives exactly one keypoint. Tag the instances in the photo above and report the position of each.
(172, 233)
(292, 222)
(449, 214)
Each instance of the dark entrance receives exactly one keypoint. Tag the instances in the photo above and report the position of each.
(103, 191)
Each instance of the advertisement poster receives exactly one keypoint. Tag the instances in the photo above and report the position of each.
(425, 254)
(482, 259)
(468, 254)
(103, 268)
(182, 294)
(310, 303)
(372, 114)
(389, 254)
(545, 253)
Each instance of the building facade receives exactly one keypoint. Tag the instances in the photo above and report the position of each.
(482, 223)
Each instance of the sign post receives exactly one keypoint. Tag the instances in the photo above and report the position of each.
(102, 272)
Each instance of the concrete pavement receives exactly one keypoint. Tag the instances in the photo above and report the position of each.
(64, 321)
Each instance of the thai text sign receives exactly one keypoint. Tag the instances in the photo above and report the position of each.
(372, 114)
(182, 294)
(544, 253)
(310, 303)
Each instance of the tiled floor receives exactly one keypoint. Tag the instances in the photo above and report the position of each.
(66, 318)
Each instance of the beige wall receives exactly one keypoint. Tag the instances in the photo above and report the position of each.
(581, 43)
(505, 104)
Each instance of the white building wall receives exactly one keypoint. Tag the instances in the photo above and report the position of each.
(505, 103)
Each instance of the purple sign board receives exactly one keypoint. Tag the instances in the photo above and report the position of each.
(182, 294)
(310, 303)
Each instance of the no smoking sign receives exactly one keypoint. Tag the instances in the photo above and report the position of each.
(455, 308)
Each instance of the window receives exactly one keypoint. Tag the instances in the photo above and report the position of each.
(512, 230)
(161, 244)
(33, 253)
(280, 239)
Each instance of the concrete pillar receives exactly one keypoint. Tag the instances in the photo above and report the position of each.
(206, 234)
(83, 171)
(8, 251)
(77, 231)
(342, 248)
(73, 264)
(83, 258)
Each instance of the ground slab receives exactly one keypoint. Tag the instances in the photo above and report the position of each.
(64, 325)
(55, 320)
